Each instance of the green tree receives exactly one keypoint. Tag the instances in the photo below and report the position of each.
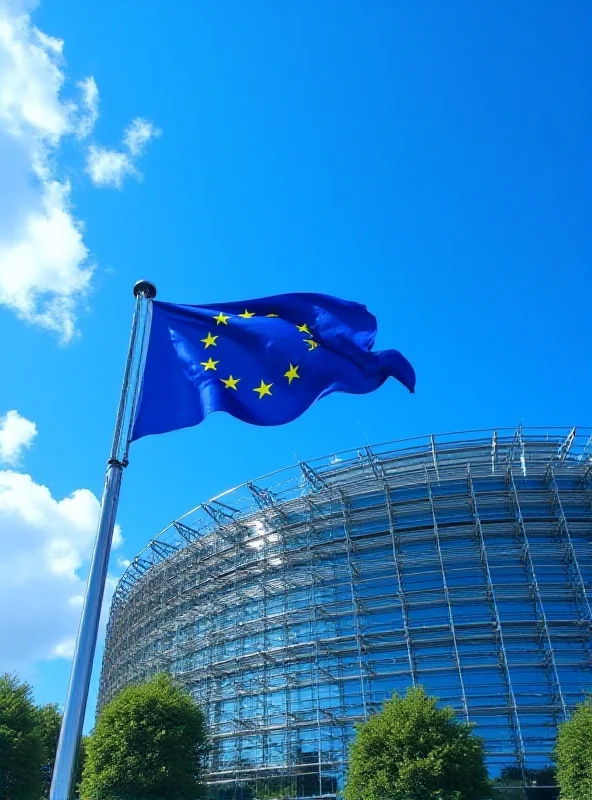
(149, 743)
(573, 754)
(22, 745)
(49, 721)
(413, 750)
(80, 764)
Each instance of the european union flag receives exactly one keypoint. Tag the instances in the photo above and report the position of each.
(263, 361)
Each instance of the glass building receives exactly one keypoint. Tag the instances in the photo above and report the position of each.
(293, 606)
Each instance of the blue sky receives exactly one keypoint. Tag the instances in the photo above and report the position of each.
(431, 160)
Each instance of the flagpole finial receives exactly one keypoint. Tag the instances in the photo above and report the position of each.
(147, 288)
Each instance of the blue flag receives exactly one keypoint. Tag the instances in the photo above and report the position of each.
(263, 361)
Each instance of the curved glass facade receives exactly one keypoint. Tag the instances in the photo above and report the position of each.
(294, 606)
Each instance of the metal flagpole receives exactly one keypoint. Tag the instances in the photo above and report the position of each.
(73, 719)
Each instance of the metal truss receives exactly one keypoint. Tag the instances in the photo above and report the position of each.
(294, 605)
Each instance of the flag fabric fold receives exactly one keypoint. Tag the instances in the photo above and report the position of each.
(263, 361)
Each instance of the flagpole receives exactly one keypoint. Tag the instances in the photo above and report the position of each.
(74, 710)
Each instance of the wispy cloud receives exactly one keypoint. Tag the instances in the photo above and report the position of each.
(107, 167)
(89, 111)
(137, 135)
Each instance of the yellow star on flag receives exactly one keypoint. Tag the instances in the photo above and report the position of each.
(291, 373)
(209, 364)
(222, 318)
(312, 344)
(303, 329)
(230, 382)
(272, 315)
(247, 314)
(209, 340)
(263, 389)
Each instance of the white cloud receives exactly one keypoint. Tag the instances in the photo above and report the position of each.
(46, 546)
(16, 435)
(117, 538)
(65, 649)
(42, 276)
(44, 269)
(107, 167)
(76, 600)
(137, 135)
(31, 79)
(90, 100)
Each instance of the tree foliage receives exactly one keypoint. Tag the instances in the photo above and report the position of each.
(573, 754)
(149, 743)
(28, 742)
(413, 750)
(50, 720)
(22, 744)
(81, 761)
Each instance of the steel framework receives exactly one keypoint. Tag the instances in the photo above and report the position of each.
(293, 606)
